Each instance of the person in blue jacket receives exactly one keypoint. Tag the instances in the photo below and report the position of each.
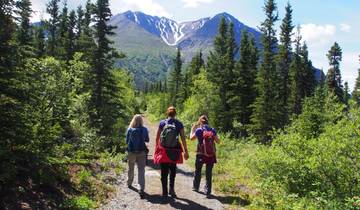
(136, 138)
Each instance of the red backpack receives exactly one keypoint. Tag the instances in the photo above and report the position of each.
(208, 143)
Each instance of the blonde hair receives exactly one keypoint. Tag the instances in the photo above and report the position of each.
(137, 121)
(203, 119)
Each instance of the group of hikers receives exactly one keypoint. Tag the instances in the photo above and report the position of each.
(170, 151)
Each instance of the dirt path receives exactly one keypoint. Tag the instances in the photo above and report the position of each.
(187, 199)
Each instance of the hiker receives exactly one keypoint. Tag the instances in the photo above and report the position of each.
(168, 151)
(205, 152)
(136, 138)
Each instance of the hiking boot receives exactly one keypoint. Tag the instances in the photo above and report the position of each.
(195, 189)
(172, 193)
(142, 194)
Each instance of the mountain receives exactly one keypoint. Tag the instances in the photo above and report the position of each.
(150, 42)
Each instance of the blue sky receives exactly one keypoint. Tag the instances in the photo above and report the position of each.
(322, 21)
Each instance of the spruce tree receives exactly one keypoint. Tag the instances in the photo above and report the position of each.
(104, 105)
(283, 65)
(24, 11)
(220, 67)
(79, 21)
(14, 122)
(53, 26)
(346, 93)
(175, 81)
(265, 110)
(333, 77)
(297, 84)
(70, 36)
(63, 32)
(308, 73)
(356, 92)
(196, 63)
(39, 40)
(243, 86)
(85, 39)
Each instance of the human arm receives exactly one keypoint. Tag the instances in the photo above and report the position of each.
(183, 141)
(127, 137)
(157, 140)
(193, 133)
(216, 139)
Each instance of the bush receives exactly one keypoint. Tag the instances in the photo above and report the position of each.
(79, 203)
(312, 167)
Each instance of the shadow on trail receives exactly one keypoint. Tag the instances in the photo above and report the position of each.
(178, 203)
(231, 200)
(151, 164)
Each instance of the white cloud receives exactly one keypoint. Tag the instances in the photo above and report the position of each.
(317, 34)
(195, 3)
(349, 68)
(147, 6)
(345, 27)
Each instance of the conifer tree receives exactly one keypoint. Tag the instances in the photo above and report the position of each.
(53, 26)
(308, 73)
(85, 40)
(356, 92)
(24, 11)
(297, 85)
(175, 80)
(70, 36)
(283, 64)
(63, 32)
(79, 21)
(196, 63)
(265, 111)
(39, 40)
(334, 82)
(243, 86)
(13, 121)
(346, 93)
(220, 67)
(104, 90)
(192, 70)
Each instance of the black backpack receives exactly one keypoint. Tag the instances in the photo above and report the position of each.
(169, 136)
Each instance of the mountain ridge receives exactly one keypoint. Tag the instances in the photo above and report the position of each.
(150, 42)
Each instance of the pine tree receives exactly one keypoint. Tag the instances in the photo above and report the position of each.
(265, 111)
(220, 67)
(24, 11)
(14, 123)
(283, 64)
(196, 63)
(334, 75)
(308, 73)
(175, 81)
(346, 93)
(53, 26)
(243, 86)
(104, 90)
(356, 92)
(85, 40)
(79, 21)
(39, 40)
(70, 37)
(63, 32)
(297, 84)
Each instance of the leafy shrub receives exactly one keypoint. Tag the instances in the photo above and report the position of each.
(312, 165)
(79, 203)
